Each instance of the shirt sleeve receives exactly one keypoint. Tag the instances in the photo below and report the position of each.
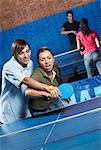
(13, 75)
(65, 26)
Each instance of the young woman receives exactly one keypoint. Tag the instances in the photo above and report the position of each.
(88, 44)
(46, 73)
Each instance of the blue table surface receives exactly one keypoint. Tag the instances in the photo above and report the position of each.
(65, 112)
(33, 139)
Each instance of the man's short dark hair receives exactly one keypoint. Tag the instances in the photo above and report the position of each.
(69, 12)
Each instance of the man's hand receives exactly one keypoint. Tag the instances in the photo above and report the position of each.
(73, 31)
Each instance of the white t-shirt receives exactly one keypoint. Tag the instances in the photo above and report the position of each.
(13, 102)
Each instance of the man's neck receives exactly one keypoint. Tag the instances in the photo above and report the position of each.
(70, 21)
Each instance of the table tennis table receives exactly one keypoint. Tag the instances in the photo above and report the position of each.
(76, 127)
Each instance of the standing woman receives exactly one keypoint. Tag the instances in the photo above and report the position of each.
(88, 44)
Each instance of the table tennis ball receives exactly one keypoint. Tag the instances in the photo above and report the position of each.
(51, 87)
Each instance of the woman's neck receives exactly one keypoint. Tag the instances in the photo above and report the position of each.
(50, 74)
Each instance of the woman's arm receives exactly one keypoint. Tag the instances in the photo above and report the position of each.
(32, 93)
(79, 47)
(78, 44)
(97, 42)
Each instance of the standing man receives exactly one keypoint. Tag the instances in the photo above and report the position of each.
(15, 80)
(70, 27)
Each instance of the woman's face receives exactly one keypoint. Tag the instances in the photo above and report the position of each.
(46, 61)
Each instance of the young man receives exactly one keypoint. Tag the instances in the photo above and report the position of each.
(70, 28)
(15, 79)
(47, 73)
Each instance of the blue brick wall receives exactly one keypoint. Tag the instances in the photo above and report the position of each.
(47, 31)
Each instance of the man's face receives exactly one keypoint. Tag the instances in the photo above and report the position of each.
(70, 17)
(24, 56)
(46, 61)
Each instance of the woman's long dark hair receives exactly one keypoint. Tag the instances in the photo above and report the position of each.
(84, 26)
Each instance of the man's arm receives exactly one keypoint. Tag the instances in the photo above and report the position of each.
(63, 32)
(34, 84)
(31, 83)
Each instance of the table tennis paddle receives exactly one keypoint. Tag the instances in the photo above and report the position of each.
(66, 90)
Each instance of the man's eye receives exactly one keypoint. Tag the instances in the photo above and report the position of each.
(28, 51)
(21, 53)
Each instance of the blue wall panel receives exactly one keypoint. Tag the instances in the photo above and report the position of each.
(47, 31)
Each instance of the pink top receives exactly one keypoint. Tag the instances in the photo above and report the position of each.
(88, 41)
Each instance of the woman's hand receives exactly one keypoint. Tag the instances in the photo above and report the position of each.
(54, 93)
